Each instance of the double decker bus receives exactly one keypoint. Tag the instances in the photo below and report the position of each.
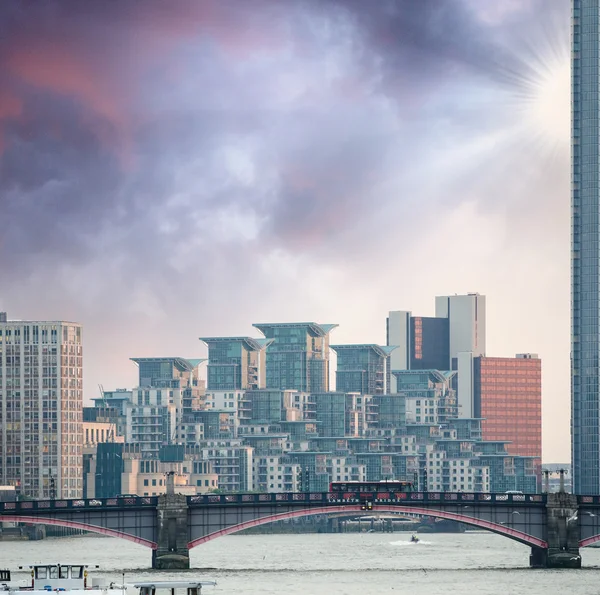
(370, 487)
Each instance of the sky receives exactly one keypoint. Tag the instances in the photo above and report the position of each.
(176, 170)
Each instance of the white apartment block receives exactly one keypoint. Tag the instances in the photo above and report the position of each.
(344, 469)
(274, 474)
(232, 462)
(151, 420)
(227, 400)
(41, 407)
(422, 410)
(454, 474)
(231, 401)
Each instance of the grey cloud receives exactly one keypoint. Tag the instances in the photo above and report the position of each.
(336, 174)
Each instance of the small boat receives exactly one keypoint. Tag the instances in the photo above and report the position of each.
(414, 539)
(73, 579)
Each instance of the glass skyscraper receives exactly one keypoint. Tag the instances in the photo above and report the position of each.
(585, 250)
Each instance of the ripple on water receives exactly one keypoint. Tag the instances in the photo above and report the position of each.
(349, 564)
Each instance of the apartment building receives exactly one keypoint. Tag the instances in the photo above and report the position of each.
(41, 403)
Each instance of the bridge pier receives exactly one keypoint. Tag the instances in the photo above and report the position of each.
(172, 518)
(563, 534)
(538, 557)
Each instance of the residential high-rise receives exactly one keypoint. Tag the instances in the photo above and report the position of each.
(165, 402)
(363, 369)
(298, 356)
(41, 407)
(585, 247)
(428, 395)
(235, 363)
(341, 414)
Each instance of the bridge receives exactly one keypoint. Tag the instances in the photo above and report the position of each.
(554, 525)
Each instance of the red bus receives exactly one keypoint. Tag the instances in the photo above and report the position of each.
(392, 486)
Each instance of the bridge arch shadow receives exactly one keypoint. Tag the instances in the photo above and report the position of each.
(497, 528)
(35, 520)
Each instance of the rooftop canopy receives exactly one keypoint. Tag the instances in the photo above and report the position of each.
(434, 375)
(317, 330)
(180, 363)
(249, 343)
(382, 350)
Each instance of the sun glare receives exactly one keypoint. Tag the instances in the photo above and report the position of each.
(549, 107)
(544, 87)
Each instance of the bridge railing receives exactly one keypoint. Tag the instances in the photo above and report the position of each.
(403, 498)
(587, 500)
(79, 504)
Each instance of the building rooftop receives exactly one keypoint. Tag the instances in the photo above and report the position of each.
(436, 375)
(15, 321)
(249, 342)
(318, 330)
(182, 364)
(382, 350)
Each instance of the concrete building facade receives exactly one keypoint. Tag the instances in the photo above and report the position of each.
(41, 405)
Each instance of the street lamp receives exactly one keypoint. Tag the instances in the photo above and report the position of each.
(546, 474)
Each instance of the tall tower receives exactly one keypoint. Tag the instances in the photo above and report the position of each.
(466, 319)
(41, 407)
(585, 247)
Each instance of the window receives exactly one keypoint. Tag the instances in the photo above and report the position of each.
(76, 571)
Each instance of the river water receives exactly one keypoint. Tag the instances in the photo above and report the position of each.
(314, 564)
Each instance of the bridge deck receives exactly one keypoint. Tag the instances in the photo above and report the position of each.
(403, 498)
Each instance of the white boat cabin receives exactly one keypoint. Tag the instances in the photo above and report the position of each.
(173, 588)
(59, 577)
